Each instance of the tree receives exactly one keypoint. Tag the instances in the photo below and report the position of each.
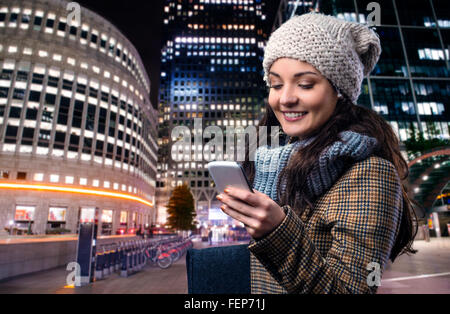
(181, 210)
(417, 144)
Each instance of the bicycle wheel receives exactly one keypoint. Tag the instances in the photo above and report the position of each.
(175, 254)
(164, 261)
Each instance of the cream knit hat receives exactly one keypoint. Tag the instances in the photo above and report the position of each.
(344, 52)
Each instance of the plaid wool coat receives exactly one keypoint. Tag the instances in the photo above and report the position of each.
(354, 224)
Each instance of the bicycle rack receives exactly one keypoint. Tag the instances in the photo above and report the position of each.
(128, 257)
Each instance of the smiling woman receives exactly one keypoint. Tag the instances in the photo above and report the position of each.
(300, 97)
(328, 205)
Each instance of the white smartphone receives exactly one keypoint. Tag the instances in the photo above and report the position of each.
(228, 173)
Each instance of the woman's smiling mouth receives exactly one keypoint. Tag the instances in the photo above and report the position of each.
(294, 115)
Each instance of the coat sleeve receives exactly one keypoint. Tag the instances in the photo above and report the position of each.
(363, 217)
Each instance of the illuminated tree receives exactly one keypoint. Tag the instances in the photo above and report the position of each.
(181, 209)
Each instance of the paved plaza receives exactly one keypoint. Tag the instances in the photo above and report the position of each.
(428, 271)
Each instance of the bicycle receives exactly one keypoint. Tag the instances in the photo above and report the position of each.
(158, 255)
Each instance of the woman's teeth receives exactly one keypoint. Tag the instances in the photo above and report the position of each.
(294, 114)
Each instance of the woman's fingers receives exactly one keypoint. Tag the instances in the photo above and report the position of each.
(247, 221)
(236, 204)
(243, 195)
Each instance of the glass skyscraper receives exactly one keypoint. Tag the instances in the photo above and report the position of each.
(410, 86)
(211, 71)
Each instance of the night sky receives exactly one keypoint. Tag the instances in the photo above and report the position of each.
(141, 22)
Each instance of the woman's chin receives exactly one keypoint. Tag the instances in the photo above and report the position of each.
(292, 132)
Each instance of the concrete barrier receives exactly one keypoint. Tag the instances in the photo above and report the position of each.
(25, 255)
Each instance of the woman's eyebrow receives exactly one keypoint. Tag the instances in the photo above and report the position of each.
(303, 73)
(295, 75)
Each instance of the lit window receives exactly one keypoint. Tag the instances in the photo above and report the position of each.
(83, 181)
(71, 61)
(69, 180)
(116, 186)
(38, 177)
(54, 178)
(95, 183)
(12, 49)
(106, 184)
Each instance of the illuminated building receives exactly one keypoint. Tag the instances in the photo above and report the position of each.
(410, 85)
(77, 129)
(211, 69)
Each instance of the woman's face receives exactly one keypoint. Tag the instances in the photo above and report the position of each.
(297, 88)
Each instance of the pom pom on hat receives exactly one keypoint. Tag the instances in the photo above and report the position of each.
(344, 52)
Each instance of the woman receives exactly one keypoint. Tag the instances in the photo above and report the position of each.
(328, 207)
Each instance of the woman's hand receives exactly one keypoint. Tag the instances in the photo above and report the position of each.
(257, 211)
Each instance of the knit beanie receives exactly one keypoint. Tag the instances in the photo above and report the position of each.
(344, 52)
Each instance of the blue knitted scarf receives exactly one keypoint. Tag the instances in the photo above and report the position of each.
(329, 166)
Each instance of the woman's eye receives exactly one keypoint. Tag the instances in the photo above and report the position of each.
(276, 87)
(306, 86)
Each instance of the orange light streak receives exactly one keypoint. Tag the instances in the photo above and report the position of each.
(52, 188)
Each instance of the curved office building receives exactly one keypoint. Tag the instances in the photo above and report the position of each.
(77, 129)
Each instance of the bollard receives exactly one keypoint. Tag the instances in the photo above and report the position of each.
(124, 261)
(106, 262)
(112, 259)
(130, 259)
(99, 266)
(141, 255)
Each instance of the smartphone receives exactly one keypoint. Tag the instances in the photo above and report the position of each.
(228, 173)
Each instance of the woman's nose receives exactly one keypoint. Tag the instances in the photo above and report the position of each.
(288, 97)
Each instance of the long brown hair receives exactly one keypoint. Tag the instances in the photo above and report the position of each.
(346, 116)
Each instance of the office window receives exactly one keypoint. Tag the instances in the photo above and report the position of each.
(77, 113)
(38, 177)
(31, 113)
(44, 138)
(99, 148)
(27, 136)
(63, 110)
(18, 93)
(74, 142)
(417, 13)
(60, 138)
(38, 21)
(87, 145)
(54, 178)
(37, 78)
(34, 96)
(53, 81)
(425, 54)
(11, 134)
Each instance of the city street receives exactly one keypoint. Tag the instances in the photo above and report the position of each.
(426, 272)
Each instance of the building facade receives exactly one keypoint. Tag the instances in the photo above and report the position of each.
(211, 77)
(77, 129)
(410, 85)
